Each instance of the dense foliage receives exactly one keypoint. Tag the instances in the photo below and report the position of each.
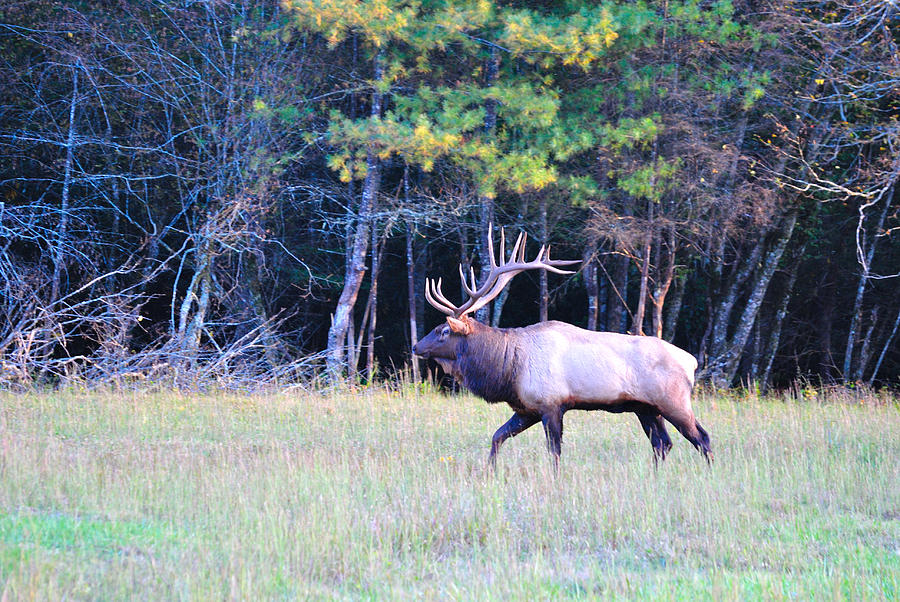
(253, 189)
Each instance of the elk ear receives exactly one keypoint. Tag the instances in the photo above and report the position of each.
(459, 326)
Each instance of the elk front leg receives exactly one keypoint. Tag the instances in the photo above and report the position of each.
(513, 426)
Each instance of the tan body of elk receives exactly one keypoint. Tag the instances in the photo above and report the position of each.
(546, 369)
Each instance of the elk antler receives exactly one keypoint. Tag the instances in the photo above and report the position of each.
(497, 278)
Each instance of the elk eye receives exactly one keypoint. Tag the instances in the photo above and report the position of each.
(445, 331)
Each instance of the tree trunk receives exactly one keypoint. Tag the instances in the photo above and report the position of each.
(771, 348)
(248, 301)
(861, 288)
(590, 282)
(367, 324)
(198, 323)
(411, 283)
(725, 307)
(824, 326)
(884, 349)
(637, 325)
(618, 294)
(673, 309)
(486, 218)
(602, 294)
(754, 352)
(720, 300)
(865, 350)
(190, 325)
(545, 293)
(352, 346)
(664, 283)
(499, 302)
(411, 299)
(486, 203)
(356, 262)
(419, 276)
(618, 289)
(62, 230)
(722, 367)
(373, 311)
(464, 261)
(114, 201)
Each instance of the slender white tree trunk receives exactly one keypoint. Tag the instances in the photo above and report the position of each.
(356, 262)
(62, 230)
(856, 316)
(411, 298)
(771, 348)
(486, 203)
(866, 348)
(884, 349)
(658, 297)
(590, 282)
(545, 293)
(637, 326)
(373, 311)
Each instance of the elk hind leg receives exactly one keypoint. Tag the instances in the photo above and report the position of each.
(688, 426)
(704, 443)
(553, 429)
(655, 429)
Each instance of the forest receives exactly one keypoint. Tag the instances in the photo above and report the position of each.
(243, 192)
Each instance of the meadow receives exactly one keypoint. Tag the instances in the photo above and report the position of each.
(381, 494)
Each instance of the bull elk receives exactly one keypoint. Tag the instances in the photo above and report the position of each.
(546, 369)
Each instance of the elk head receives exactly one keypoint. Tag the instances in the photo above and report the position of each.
(441, 343)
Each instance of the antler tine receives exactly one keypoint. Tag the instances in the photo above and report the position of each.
(431, 300)
(518, 251)
(436, 298)
(462, 276)
(542, 261)
(490, 283)
(496, 282)
(439, 294)
(491, 257)
(502, 274)
(552, 264)
(497, 278)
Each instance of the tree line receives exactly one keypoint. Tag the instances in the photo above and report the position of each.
(254, 191)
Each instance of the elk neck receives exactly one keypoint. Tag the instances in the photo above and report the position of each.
(487, 360)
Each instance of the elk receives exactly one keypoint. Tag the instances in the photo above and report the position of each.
(546, 369)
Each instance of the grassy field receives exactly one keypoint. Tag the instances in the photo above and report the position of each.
(379, 494)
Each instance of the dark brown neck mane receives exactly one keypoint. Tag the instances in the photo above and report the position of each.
(487, 362)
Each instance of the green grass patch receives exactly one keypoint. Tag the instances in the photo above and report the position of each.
(378, 494)
(61, 532)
